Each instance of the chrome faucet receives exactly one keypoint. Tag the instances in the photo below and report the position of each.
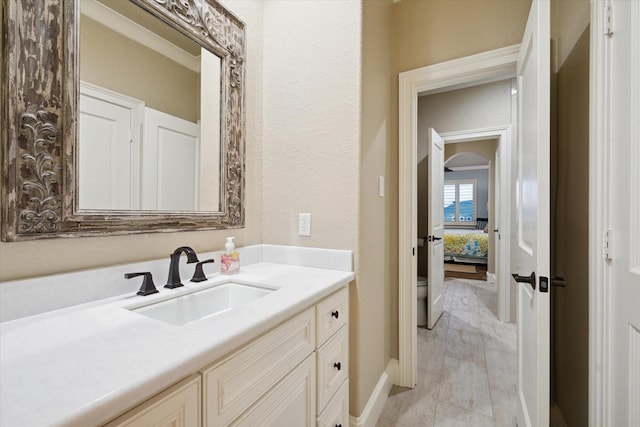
(174, 267)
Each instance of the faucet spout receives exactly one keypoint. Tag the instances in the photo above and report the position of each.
(174, 267)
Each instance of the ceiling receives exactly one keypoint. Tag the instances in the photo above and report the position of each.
(467, 160)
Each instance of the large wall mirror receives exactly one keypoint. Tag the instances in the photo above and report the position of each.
(121, 116)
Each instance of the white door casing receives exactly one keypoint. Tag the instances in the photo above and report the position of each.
(624, 216)
(533, 217)
(502, 219)
(435, 220)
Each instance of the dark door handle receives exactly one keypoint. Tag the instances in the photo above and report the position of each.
(559, 281)
(433, 238)
(496, 230)
(526, 279)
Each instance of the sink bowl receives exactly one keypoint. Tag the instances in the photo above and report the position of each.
(203, 304)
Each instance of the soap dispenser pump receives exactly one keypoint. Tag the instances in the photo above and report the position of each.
(230, 260)
(230, 245)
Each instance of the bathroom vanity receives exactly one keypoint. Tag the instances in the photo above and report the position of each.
(281, 358)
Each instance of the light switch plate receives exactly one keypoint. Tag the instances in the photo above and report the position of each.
(304, 224)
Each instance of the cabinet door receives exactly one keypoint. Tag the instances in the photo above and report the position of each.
(290, 403)
(178, 406)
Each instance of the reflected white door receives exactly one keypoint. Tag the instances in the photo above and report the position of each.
(435, 290)
(623, 353)
(106, 155)
(171, 163)
(533, 217)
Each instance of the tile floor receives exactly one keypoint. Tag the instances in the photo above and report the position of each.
(467, 366)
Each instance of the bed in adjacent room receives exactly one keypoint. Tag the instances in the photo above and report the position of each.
(466, 246)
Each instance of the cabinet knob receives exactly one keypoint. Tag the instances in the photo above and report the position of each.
(337, 365)
(338, 425)
(335, 314)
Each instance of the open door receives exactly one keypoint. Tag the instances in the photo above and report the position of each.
(435, 290)
(533, 217)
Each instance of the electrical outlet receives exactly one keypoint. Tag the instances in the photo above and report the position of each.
(304, 224)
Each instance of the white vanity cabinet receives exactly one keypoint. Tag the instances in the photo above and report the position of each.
(294, 375)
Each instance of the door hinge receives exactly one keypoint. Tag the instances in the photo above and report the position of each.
(606, 244)
(608, 18)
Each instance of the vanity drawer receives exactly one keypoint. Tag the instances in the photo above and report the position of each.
(236, 382)
(333, 366)
(336, 414)
(332, 313)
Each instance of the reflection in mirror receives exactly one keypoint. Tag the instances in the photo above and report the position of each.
(149, 114)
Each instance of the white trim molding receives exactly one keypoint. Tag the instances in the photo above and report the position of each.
(599, 217)
(485, 67)
(378, 398)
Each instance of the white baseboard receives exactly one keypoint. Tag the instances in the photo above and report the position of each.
(491, 277)
(378, 398)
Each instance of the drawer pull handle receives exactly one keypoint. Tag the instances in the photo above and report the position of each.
(335, 314)
(337, 365)
(338, 425)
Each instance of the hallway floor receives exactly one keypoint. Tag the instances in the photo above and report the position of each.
(467, 366)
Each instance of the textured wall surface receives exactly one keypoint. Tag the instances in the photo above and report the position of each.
(312, 121)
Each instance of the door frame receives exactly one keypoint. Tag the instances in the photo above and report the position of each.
(600, 108)
(503, 135)
(494, 65)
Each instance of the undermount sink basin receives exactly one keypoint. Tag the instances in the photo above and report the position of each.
(202, 304)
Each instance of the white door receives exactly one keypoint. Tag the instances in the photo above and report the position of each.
(435, 290)
(533, 217)
(624, 347)
(170, 163)
(106, 155)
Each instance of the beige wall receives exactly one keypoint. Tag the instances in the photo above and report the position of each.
(433, 31)
(429, 32)
(570, 189)
(372, 332)
(42, 257)
(162, 83)
(311, 148)
(312, 116)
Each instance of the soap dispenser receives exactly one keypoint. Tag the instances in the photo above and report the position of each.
(230, 259)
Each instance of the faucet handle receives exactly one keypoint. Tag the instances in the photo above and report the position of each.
(148, 287)
(199, 275)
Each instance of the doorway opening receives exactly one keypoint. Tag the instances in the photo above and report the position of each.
(487, 67)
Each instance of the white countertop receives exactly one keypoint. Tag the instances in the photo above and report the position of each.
(87, 364)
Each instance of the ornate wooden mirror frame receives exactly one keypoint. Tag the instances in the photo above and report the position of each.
(40, 121)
